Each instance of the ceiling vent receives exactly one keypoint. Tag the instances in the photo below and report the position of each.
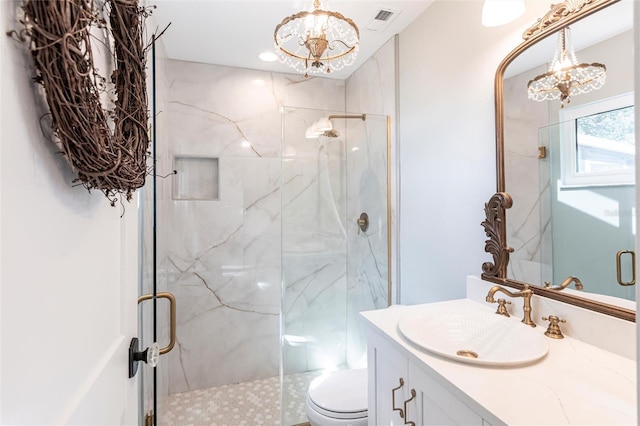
(382, 17)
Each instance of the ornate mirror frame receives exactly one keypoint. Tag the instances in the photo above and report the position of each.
(561, 15)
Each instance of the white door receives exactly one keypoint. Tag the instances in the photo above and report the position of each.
(68, 270)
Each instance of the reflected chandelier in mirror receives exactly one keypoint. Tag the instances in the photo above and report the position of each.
(557, 19)
(566, 77)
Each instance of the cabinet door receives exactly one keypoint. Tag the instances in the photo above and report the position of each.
(387, 369)
(435, 405)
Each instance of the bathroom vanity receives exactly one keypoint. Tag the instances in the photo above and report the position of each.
(577, 382)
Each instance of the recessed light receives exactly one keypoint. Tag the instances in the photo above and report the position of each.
(268, 56)
(500, 12)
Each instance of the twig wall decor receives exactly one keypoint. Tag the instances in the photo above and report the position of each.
(107, 148)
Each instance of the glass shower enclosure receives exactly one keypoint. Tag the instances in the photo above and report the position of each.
(599, 258)
(335, 245)
(268, 253)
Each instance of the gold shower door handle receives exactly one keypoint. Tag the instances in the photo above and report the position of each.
(172, 317)
(619, 267)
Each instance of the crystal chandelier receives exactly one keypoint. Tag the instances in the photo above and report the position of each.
(317, 41)
(566, 77)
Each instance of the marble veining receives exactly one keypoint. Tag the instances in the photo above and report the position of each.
(279, 237)
(523, 171)
(235, 124)
(370, 89)
(223, 259)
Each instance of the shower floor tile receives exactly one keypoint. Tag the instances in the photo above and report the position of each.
(250, 403)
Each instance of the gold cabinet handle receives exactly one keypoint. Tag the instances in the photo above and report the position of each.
(413, 396)
(619, 267)
(172, 317)
(393, 398)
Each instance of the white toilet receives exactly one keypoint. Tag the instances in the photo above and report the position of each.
(338, 399)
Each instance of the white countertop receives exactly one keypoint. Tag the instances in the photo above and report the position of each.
(574, 384)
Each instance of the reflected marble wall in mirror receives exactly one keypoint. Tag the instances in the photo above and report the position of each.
(574, 209)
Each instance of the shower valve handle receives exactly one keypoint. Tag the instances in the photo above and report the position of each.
(363, 222)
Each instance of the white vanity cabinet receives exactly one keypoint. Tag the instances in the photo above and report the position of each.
(402, 393)
(391, 385)
(437, 406)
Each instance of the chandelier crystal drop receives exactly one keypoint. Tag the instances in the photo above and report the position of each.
(566, 76)
(317, 41)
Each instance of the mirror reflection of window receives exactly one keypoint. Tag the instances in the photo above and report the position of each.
(599, 143)
(605, 142)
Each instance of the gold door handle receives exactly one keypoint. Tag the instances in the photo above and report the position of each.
(393, 398)
(406, 420)
(172, 317)
(619, 267)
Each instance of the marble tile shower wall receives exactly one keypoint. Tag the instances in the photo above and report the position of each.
(329, 268)
(370, 89)
(529, 218)
(314, 262)
(367, 276)
(224, 257)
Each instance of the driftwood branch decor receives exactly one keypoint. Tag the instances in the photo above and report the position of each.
(107, 148)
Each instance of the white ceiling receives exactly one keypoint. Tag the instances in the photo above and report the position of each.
(235, 32)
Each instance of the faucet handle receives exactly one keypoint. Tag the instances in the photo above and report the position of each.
(553, 330)
(502, 307)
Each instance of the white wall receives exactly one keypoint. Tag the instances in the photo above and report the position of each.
(63, 257)
(447, 143)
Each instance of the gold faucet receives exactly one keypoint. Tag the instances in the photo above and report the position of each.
(565, 284)
(525, 293)
(553, 330)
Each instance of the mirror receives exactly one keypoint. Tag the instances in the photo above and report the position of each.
(569, 197)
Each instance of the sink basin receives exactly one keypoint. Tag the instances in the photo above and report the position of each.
(475, 337)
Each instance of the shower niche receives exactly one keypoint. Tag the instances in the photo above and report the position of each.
(197, 178)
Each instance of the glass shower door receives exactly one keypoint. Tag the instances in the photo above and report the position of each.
(156, 306)
(607, 211)
(335, 241)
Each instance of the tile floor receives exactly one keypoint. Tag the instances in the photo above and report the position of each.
(254, 403)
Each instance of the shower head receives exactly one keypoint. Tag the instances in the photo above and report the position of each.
(319, 128)
(323, 126)
(333, 133)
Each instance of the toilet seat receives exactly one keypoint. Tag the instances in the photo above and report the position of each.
(342, 415)
(340, 395)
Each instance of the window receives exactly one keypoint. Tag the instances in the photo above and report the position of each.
(598, 143)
